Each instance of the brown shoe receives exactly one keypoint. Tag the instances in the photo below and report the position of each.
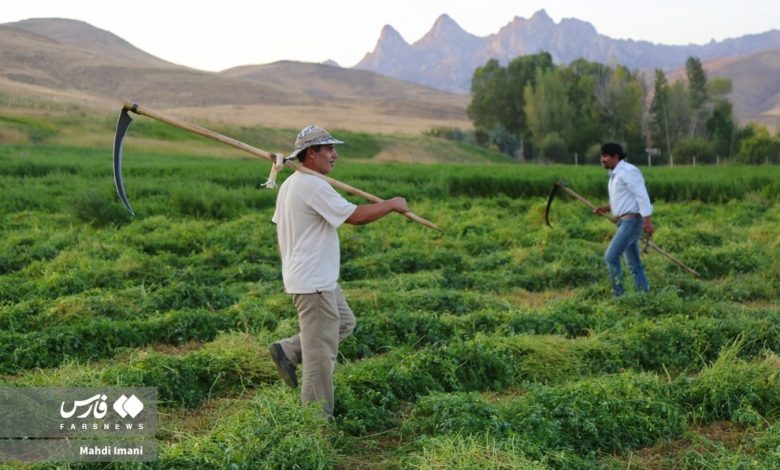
(285, 368)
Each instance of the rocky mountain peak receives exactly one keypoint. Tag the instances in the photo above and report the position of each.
(390, 52)
(446, 56)
(447, 35)
(445, 26)
(576, 26)
(390, 37)
(541, 18)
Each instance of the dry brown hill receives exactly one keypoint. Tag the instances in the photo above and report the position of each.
(326, 84)
(114, 70)
(756, 79)
(67, 59)
(756, 84)
(86, 36)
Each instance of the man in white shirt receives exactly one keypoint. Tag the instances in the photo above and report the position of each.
(630, 205)
(308, 212)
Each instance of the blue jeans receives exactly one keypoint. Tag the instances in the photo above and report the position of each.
(626, 241)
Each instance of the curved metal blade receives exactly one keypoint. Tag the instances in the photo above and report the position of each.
(550, 198)
(121, 129)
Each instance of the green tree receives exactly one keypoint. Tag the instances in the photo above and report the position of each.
(547, 106)
(587, 128)
(497, 93)
(691, 150)
(620, 101)
(660, 136)
(521, 72)
(698, 95)
(679, 115)
(553, 148)
(505, 141)
(721, 129)
(720, 126)
(719, 88)
(490, 97)
(760, 147)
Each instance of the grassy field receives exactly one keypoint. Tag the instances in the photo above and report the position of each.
(493, 344)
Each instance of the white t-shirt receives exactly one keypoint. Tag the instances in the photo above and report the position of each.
(308, 212)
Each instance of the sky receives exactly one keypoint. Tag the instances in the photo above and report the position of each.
(217, 35)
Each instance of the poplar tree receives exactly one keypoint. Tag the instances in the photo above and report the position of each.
(659, 114)
(697, 92)
(721, 127)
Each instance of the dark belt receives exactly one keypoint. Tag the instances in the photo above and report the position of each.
(629, 215)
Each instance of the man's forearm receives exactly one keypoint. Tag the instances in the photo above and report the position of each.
(366, 213)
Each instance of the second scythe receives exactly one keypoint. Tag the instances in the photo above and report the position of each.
(124, 123)
(560, 185)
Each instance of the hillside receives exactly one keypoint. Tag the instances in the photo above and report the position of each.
(323, 84)
(76, 62)
(112, 69)
(756, 94)
(86, 36)
(68, 61)
(756, 89)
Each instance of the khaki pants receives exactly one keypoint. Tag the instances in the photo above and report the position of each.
(325, 320)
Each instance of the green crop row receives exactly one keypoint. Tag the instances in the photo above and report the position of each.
(99, 338)
(607, 414)
(374, 389)
(758, 450)
(612, 413)
(475, 351)
(149, 175)
(563, 425)
(231, 363)
(569, 424)
(659, 339)
(456, 352)
(663, 331)
(270, 431)
(559, 422)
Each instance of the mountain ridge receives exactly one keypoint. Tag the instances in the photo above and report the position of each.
(69, 60)
(566, 41)
(63, 58)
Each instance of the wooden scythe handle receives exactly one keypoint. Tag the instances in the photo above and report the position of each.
(649, 242)
(202, 131)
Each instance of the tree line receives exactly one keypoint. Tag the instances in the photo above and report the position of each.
(536, 110)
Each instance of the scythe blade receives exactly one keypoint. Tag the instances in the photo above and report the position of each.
(550, 198)
(124, 123)
(121, 129)
(648, 242)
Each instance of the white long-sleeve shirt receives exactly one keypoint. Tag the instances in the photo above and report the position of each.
(627, 192)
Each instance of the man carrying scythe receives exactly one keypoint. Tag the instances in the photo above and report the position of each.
(632, 211)
(308, 212)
